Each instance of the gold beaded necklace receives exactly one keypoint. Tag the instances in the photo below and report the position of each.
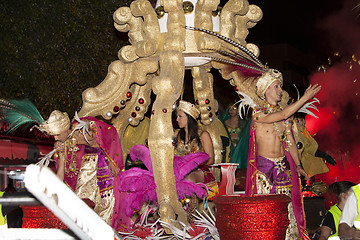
(268, 108)
(71, 169)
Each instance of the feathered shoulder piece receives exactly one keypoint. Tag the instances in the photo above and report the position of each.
(19, 113)
(244, 104)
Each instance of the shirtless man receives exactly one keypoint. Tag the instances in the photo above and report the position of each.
(274, 165)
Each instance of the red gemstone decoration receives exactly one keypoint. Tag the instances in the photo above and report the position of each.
(236, 88)
(153, 112)
(207, 101)
(164, 110)
(197, 102)
(128, 94)
(210, 114)
(141, 101)
(116, 109)
(133, 114)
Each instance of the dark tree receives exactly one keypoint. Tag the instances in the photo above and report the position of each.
(51, 51)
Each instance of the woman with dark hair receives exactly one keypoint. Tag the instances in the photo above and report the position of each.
(330, 224)
(190, 139)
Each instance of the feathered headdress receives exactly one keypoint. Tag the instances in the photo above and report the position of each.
(256, 77)
(19, 113)
(24, 112)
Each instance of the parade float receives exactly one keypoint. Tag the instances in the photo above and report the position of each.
(165, 41)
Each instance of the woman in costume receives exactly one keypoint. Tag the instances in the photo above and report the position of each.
(190, 139)
(238, 131)
(190, 164)
(330, 225)
(233, 124)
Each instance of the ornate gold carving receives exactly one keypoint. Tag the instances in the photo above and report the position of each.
(154, 61)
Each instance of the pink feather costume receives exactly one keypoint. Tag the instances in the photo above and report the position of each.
(140, 185)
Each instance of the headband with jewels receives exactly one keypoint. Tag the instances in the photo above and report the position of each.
(57, 123)
(265, 80)
(188, 108)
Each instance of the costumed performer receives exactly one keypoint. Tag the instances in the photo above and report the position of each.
(330, 224)
(88, 158)
(273, 160)
(237, 129)
(349, 224)
(87, 153)
(189, 164)
(274, 165)
(190, 139)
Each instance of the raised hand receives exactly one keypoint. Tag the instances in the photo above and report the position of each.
(311, 91)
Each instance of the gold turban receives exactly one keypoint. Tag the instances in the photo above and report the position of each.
(57, 123)
(189, 108)
(266, 80)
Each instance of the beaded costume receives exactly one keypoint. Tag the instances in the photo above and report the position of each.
(256, 79)
(87, 170)
(182, 149)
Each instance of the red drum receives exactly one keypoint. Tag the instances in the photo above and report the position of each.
(40, 217)
(258, 217)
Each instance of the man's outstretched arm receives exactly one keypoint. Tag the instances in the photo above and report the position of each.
(289, 110)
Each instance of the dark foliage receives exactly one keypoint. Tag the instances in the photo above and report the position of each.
(51, 51)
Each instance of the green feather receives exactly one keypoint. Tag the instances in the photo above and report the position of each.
(20, 112)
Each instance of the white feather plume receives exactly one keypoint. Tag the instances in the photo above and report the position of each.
(46, 159)
(83, 127)
(244, 102)
(310, 105)
(297, 90)
(178, 233)
(204, 221)
(207, 222)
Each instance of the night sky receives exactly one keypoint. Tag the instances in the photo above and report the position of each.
(318, 29)
(295, 22)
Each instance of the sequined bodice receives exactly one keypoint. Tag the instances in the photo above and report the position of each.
(182, 149)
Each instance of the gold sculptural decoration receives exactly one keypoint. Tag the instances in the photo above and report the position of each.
(160, 50)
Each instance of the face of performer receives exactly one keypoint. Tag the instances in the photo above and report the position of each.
(233, 110)
(273, 93)
(181, 119)
(61, 137)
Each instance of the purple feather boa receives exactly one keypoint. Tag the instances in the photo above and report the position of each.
(140, 186)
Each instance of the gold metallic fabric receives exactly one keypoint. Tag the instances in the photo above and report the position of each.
(87, 188)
